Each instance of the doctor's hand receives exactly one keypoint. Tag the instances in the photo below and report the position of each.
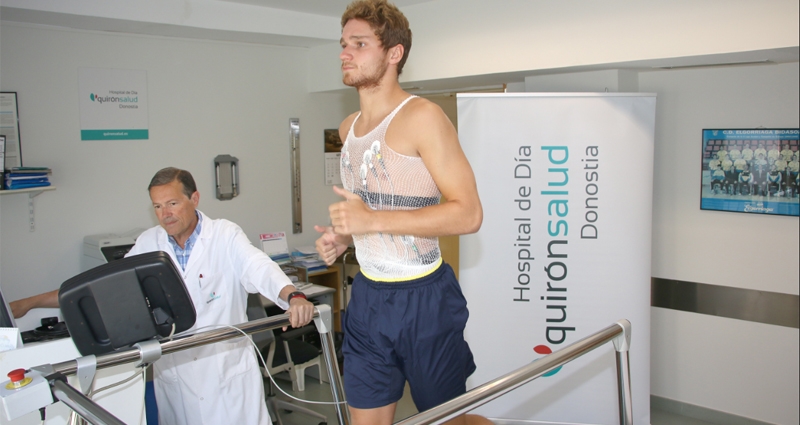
(300, 312)
(330, 245)
(351, 216)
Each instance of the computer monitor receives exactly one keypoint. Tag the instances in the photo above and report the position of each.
(126, 301)
(6, 317)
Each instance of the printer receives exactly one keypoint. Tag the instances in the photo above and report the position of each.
(107, 247)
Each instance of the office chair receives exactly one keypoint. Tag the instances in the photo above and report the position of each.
(280, 353)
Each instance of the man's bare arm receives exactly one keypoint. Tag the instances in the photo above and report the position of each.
(422, 130)
(21, 307)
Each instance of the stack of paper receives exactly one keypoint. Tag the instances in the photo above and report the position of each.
(274, 245)
(290, 272)
(307, 257)
(27, 177)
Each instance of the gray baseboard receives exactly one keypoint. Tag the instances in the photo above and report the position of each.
(700, 413)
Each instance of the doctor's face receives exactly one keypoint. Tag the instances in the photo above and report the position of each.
(174, 210)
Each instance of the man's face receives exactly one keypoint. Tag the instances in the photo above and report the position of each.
(364, 63)
(175, 211)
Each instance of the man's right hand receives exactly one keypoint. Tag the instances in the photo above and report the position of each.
(330, 245)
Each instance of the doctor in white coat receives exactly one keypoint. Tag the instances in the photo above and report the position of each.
(218, 383)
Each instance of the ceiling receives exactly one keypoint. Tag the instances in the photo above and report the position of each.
(333, 8)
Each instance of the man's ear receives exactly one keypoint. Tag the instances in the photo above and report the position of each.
(396, 53)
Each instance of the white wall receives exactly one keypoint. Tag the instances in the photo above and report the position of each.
(706, 246)
(611, 80)
(748, 369)
(205, 98)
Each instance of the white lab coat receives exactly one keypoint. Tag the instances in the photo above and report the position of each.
(218, 383)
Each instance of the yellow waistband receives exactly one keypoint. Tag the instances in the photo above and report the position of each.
(405, 278)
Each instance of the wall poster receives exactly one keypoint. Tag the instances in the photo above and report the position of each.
(750, 170)
(113, 104)
(333, 156)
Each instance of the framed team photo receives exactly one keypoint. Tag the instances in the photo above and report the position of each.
(751, 171)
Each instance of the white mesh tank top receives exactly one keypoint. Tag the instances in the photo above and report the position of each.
(387, 180)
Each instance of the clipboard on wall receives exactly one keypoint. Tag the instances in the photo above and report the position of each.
(2, 161)
(9, 126)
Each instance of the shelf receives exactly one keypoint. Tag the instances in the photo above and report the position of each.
(34, 190)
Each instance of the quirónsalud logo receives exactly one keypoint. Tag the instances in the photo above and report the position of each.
(545, 350)
(123, 101)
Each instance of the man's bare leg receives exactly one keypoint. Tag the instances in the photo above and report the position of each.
(469, 420)
(383, 415)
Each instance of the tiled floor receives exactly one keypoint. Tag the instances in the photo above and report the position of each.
(405, 408)
(322, 392)
(658, 417)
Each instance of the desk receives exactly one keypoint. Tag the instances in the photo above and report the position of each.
(331, 278)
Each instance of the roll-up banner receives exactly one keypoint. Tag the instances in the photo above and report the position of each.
(564, 250)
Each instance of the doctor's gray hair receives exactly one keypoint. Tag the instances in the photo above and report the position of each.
(169, 175)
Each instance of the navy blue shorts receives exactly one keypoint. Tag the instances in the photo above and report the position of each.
(398, 331)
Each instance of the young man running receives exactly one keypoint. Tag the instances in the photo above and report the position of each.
(406, 317)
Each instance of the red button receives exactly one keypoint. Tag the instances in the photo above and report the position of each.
(16, 375)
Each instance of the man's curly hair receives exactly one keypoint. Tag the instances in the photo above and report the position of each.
(390, 25)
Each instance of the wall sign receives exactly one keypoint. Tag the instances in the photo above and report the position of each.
(565, 180)
(113, 104)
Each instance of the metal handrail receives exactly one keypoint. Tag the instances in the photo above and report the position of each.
(180, 342)
(95, 414)
(618, 332)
